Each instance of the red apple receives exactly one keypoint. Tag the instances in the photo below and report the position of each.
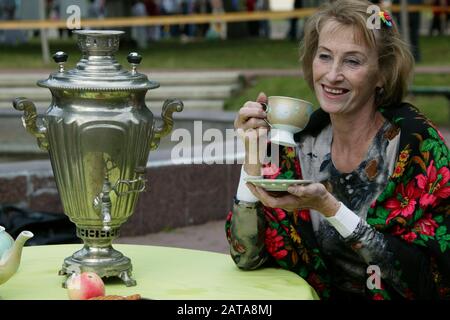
(85, 286)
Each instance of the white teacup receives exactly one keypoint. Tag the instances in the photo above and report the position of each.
(286, 116)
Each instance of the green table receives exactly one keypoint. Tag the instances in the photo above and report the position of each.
(161, 273)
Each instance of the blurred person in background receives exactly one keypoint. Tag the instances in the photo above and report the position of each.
(8, 9)
(202, 7)
(8, 12)
(253, 25)
(440, 18)
(154, 32)
(54, 10)
(97, 9)
(293, 23)
(235, 30)
(413, 27)
(139, 33)
(187, 30)
(217, 30)
(170, 8)
(264, 25)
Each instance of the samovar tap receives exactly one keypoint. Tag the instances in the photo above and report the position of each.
(102, 202)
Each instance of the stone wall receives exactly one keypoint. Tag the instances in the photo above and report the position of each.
(177, 195)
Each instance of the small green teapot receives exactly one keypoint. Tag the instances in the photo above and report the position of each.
(10, 253)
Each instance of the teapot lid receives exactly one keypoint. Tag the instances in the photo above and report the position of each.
(98, 70)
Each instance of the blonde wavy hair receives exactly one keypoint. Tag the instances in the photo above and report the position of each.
(395, 60)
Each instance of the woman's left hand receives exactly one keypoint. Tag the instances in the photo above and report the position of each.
(312, 196)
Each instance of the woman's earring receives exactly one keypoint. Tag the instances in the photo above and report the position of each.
(379, 91)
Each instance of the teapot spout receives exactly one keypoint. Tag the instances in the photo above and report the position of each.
(10, 261)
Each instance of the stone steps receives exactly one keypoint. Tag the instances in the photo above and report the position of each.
(188, 93)
(198, 90)
(176, 78)
(6, 108)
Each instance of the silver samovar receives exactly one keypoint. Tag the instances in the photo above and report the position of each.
(98, 132)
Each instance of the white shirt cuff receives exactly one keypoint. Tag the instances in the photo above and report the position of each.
(243, 192)
(344, 221)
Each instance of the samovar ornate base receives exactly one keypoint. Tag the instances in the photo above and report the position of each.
(98, 257)
(98, 132)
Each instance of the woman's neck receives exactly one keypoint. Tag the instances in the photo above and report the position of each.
(352, 137)
(350, 130)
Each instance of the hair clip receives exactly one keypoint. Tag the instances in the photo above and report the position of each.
(386, 18)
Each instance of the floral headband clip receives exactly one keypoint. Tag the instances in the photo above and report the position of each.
(386, 18)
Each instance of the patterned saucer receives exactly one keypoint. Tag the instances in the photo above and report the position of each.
(276, 184)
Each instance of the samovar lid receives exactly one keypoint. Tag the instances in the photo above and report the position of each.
(98, 70)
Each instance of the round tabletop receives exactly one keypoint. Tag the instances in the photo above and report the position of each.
(161, 273)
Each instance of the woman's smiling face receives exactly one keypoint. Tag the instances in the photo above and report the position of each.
(345, 70)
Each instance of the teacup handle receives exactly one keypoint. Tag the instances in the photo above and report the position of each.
(266, 109)
(265, 106)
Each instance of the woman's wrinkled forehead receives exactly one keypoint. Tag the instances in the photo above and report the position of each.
(331, 28)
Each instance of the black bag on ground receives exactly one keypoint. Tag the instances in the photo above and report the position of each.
(48, 228)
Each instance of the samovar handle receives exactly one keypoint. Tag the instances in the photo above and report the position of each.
(29, 120)
(169, 107)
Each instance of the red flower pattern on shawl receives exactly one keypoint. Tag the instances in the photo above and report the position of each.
(409, 237)
(398, 230)
(426, 225)
(303, 214)
(298, 169)
(281, 215)
(316, 282)
(273, 243)
(404, 202)
(377, 296)
(434, 185)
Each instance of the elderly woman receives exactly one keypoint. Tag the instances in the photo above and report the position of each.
(379, 204)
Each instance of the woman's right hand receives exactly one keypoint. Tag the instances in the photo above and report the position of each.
(250, 121)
